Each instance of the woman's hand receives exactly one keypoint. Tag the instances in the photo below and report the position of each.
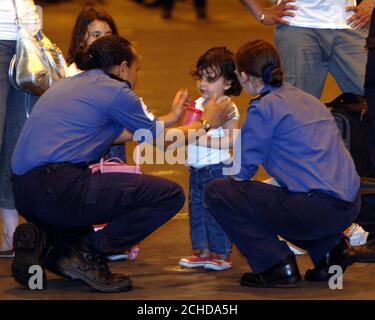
(180, 103)
(218, 113)
(362, 14)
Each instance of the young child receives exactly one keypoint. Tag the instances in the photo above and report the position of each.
(215, 74)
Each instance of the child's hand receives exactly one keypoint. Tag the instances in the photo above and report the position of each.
(180, 103)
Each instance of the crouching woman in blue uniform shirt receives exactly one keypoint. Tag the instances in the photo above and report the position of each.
(295, 138)
(74, 123)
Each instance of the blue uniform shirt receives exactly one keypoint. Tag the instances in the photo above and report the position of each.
(294, 136)
(77, 120)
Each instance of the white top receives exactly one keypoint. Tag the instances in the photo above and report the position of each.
(199, 157)
(72, 70)
(27, 13)
(321, 14)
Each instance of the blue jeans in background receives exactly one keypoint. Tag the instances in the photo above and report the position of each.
(309, 54)
(205, 232)
(14, 105)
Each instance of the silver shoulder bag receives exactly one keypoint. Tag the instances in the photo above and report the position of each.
(37, 63)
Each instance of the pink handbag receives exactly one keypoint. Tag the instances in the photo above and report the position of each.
(114, 165)
(132, 253)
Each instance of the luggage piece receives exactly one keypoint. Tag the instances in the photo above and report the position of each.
(366, 217)
(351, 115)
(370, 87)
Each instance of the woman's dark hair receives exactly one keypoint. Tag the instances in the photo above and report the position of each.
(259, 58)
(105, 53)
(221, 61)
(85, 17)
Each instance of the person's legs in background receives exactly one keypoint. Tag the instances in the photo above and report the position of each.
(9, 220)
(348, 62)
(19, 104)
(14, 107)
(201, 8)
(305, 64)
(167, 8)
(7, 50)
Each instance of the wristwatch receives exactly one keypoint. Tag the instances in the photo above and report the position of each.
(205, 125)
(262, 17)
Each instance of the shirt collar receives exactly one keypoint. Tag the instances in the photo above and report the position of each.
(265, 90)
(267, 87)
(101, 72)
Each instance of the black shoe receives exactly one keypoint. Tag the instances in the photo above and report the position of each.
(201, 13)
(152, 4)
(79, 263)
(342, 255)
(366, 252)
(166, 14)
(284, 274)
(31, 246)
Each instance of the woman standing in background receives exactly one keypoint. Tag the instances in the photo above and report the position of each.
(13, 107)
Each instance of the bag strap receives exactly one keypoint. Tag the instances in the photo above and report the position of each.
(18, 20)
(346, 97)
(103, 162)
(367, 186)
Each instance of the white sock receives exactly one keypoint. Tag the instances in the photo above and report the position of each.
(9, 222)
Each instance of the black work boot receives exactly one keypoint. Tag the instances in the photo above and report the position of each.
(31, 246)
(342, 255)
(284, 274)
(80, 263)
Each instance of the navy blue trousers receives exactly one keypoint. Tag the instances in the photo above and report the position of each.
(254, 214)
(68, 200)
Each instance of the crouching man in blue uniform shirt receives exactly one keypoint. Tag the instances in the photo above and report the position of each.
(295, 138)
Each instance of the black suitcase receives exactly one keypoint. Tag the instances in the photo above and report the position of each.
(351, 115)
(366, 217)
(370, 88)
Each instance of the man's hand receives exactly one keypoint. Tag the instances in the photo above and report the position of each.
(274, 14)
(362, 14)
(180, 103)
(218, 113)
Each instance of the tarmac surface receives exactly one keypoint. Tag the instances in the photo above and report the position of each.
(169, 50)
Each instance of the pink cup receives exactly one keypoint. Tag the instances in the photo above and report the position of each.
(192, 115)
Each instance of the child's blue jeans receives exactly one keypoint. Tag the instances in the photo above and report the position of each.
(205, 232)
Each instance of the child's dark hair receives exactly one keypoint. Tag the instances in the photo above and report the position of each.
(221, 61)
(259, 58)
(85, 17)
(105, 53)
